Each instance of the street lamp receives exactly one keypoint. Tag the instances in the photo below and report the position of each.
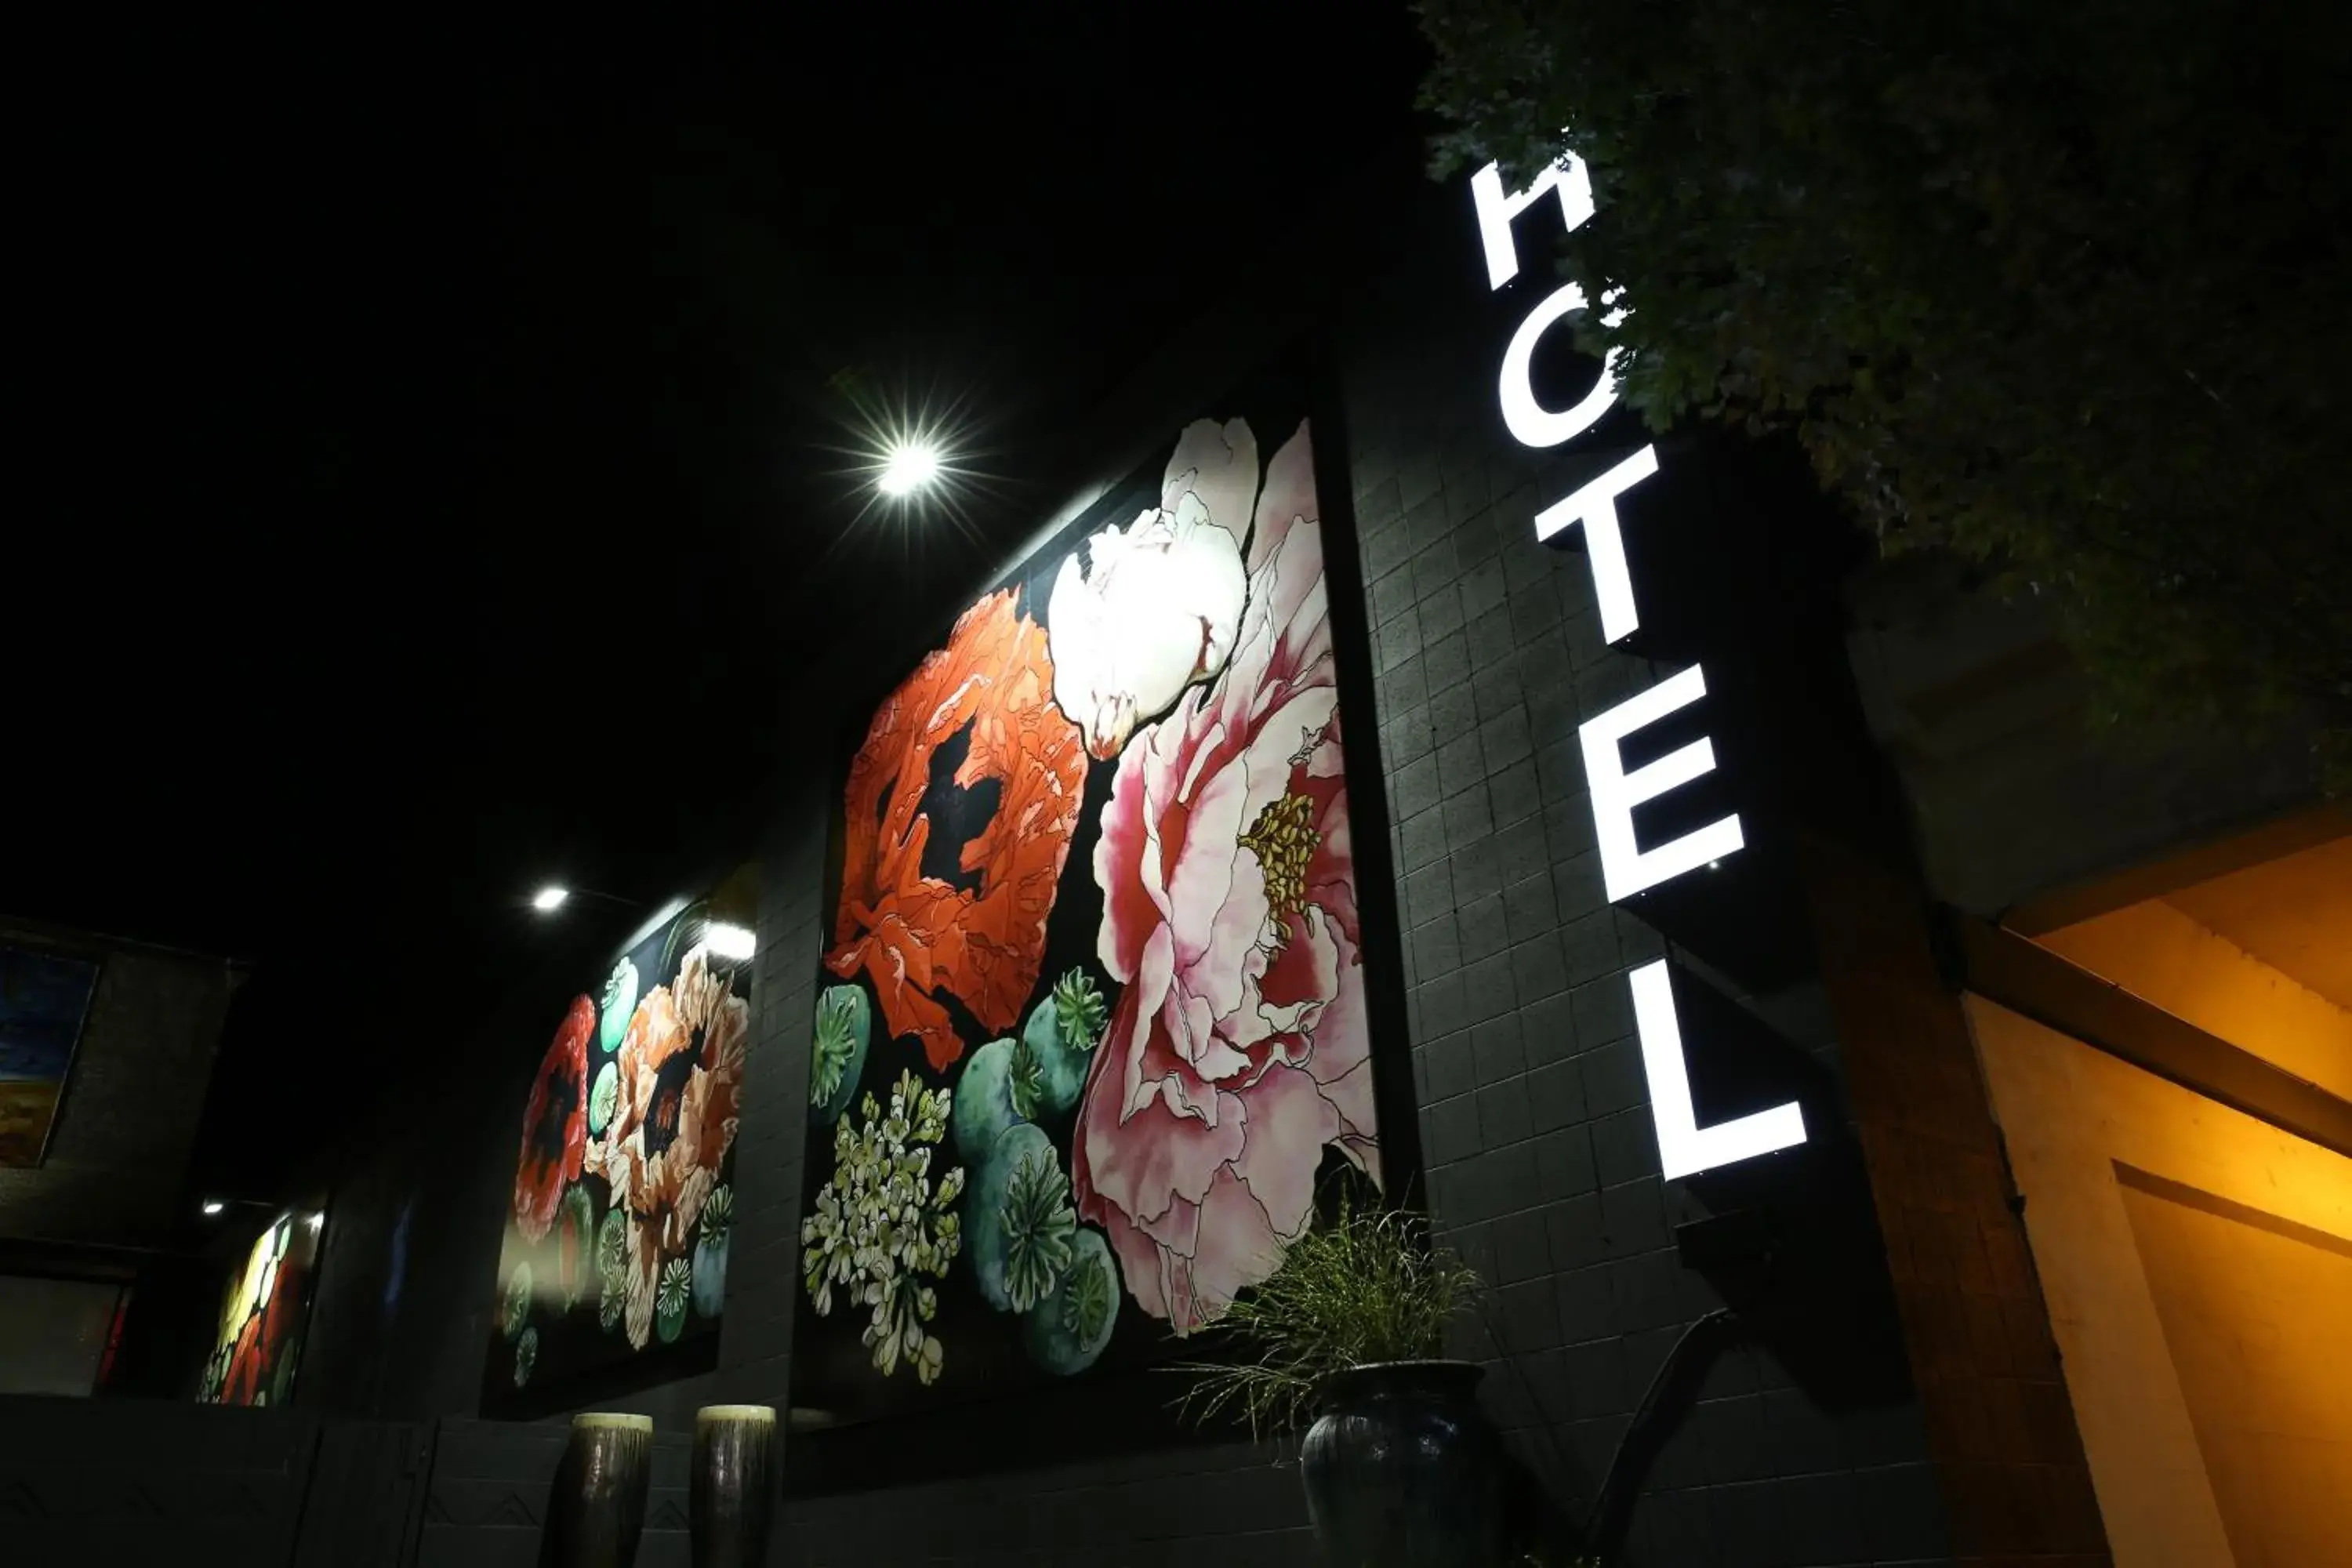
(908, 468)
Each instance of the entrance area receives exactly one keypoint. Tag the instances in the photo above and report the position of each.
(2197, 1259)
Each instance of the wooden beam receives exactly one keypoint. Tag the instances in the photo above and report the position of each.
(2027, 978)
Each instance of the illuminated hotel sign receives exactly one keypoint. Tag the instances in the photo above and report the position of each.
(1685, 1148)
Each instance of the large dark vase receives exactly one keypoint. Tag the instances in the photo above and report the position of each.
(1403, 1468)
(733, 1502)
(599, 1507)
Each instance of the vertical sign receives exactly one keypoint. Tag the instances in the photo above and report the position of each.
(1685, 1148)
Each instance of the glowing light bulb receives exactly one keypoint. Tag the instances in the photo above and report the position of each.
(910, 465)
(549, 898)
(729, 941)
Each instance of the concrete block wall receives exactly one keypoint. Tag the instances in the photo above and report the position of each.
(1541, 1163)
(119, 1144)
(141, 1481)
(755, 1337)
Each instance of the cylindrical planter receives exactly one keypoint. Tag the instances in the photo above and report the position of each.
(1402, 1469)
(733, 1499)
(599, 1507)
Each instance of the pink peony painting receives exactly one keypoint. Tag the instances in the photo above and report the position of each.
(1238, 1050)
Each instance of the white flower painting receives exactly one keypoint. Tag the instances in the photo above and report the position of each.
(1155, 606)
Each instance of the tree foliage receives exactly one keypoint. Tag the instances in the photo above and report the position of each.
(2062, 287)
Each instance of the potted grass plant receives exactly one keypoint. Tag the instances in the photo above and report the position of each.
(1347, 1339)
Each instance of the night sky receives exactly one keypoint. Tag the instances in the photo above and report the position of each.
(432, 462)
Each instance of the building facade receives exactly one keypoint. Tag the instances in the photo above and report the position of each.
(1893, 1127)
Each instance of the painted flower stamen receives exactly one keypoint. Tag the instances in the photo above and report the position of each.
(1284, 840)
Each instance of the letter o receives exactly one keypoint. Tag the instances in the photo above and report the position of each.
(1530, 422)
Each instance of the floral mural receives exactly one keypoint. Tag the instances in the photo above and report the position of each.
(263, 1313)
(1091, 1042)
(616, 1240)
(913, 933)
(555, 1123)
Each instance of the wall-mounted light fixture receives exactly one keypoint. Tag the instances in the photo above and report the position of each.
(554, 896)
(908, 468)
(727, 940)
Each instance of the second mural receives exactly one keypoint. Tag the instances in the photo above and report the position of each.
(1091, 1034)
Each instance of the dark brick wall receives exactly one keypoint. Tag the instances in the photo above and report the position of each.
(1542, 1166)
(110, 1482)
(401, 1327)
(755, 1339)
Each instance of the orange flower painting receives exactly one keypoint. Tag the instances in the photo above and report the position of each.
(617, 1235)
(680, 1073)
(259, 1343)
(556, 1123)
(977, 932)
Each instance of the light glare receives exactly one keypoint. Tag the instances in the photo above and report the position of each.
(214, 1206)
(549, 898)
(727, 939)
(911, 465)
(914, 459)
